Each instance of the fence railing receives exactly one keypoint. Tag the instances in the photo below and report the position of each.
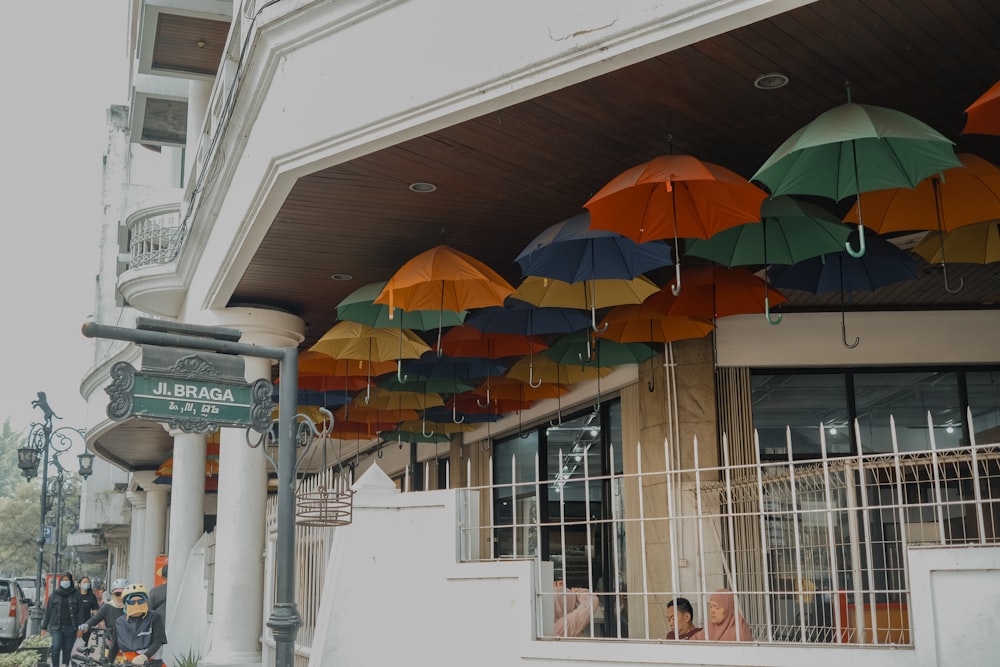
(154, 236)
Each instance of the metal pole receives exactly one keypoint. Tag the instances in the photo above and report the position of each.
(285, 620)
(60, 503)
(36, 611)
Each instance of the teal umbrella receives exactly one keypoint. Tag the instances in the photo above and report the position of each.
(358, 307)
(428, 385)
(413, 436)
(789, 232)
(856, 148)
(580, 348)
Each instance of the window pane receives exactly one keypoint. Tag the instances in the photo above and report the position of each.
(908, 397)
(984, 399)
(802, 403)
(574, 447)
(514, 499)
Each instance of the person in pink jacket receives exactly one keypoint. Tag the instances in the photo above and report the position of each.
(573, 609)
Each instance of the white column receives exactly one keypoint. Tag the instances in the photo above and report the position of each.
(137, 536)
(199, 93)
(240, 533)
(155, 528)
(187, 508)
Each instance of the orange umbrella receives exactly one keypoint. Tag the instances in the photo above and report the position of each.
(471, 403)
(714, 291)
(166, 468)
(642, 323)
(466, 341)
(359, 430)
(544, 369)
(983, 115)
(961, 196)
(443, 278)
(361, 413)
(518, 390)
(676, 196)
(317, 363)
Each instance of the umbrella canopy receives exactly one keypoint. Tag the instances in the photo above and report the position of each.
(713, 292)
(973, 244)
(475, 404)
(983, 115)
(315, 382)
(427, 385)
(464, 341)
(359, 412)
(358, 430)
(521, 317)
(674, 196)
(883, 264)
(641, 323)
(351, 340)
(518, 390)
(327, 399)
(359, 306)
(441, 427)
(443, 278)
(580, 348)
(855, 148)
(542, 369)
(410, 437)
(789, 231)
(452, 412)
(961, 196)
(546, 292)
(429, 365)
(572, 252)
(382, 398)
(317, 363)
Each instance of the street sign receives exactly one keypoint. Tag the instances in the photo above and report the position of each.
(48, 534)
(187, 401)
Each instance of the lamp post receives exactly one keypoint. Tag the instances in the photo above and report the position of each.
(43, 438)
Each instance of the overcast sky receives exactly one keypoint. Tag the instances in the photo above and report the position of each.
(64, 64)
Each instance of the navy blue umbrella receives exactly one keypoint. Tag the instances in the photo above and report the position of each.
(429, 365)
(521, 317)
(882, 264)
(323, 399)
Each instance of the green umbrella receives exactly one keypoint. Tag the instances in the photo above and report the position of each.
(855, 148)
(579, 348)
(358, 307)
(425, 385)
(413, 436)
(789, 232)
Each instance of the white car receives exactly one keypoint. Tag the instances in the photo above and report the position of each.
(13, 614)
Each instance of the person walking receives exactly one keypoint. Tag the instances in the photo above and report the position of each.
(62, 616)
(107, 613)
(88, 603)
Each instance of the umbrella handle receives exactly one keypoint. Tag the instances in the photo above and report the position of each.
(454, 415)
(593, 321)
(487, 403)
(523, 436)
(843, 334)
(947, 287)
(531, 372)
(675, 289)
(378, 452)
(423, 428)
(856, 254)
(767, 312)
(399, 371)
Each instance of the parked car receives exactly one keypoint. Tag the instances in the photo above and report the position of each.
(27, 585)
(13, 614)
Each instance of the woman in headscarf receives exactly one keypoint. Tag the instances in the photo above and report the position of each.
(62, 615)
(724, 622)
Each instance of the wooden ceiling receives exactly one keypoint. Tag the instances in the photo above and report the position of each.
(504, 177)
(189, 44)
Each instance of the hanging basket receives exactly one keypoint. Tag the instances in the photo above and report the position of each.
(323, 507)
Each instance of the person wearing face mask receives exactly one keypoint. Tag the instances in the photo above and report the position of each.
(108, 613)
(62, 615)
(139, 634)
(88, 603)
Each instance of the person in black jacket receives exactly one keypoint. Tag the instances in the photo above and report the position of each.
(140, 633)
(108, 613)
(88, 602)
(62, 615)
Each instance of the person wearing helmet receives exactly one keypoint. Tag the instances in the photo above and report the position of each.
(107, 613)
(140, 633)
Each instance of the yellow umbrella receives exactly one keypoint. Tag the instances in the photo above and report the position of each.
(384, 399)
(973, 244)
(588, 295)
(351, 340)
(548, 370)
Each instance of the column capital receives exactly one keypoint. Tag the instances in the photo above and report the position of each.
(137, 499)
(260, 326)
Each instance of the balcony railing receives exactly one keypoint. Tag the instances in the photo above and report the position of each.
(155, 236)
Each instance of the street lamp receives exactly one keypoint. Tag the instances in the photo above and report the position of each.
(43, 438)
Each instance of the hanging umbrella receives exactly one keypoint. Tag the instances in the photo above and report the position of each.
(317, 363)
(412, 437)
(789, 231)
(546, 370)
(429, 365)
(308, 397)
(471, 403)
(972, 244)
(315, 382)
(518, 390)
(591, 295)
(674, 196)
(427, 385)
(468, 416)
(961, 196)
(983, 115)
(714, 291)
(883, 264)
(580, 348)
(443, 278)
(521, 317)
(358, 430)
(401, 400)
(855, 148)
(427, 425)
(362, 413)
(572, 252)
(464, 341)
(351, 340)
(359, 306)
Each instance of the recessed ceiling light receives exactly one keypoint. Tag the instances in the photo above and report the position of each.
(342, 276)
(423, 186)
(770, 81)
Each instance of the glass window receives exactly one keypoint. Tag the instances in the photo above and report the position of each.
(984, 400)
(801, 402)
(907, 397)
(514, 498)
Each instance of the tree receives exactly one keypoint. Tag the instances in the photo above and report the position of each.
(10, 474)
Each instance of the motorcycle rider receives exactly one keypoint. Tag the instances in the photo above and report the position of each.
(140, 633)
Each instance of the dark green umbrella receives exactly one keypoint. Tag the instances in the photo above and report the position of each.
(856, 148)
(580, 348)
(789, 232)
(427, 385)
(358, 307)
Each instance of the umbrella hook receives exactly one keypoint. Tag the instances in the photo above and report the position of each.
(767, 311)
(531, 369)
(856, 254)
(593, 310)
(675, 289)
(487, 403)
(378, 451)
(399, 362)
(454, 414)
(947, 287)
(590, 355)
(423, 428)
(652, 370)
(520, 425)
(558, 421)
